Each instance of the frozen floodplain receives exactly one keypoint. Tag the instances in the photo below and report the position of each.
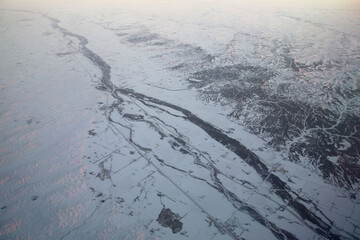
(179, 120)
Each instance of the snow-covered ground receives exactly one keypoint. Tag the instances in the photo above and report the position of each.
(179, 120)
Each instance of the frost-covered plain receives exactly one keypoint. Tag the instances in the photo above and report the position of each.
(186, 120)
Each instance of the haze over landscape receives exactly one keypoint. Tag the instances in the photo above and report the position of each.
(202, 119)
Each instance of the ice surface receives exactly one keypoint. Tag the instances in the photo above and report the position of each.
(126, 120)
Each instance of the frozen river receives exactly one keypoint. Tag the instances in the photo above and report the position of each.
(179, 120)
